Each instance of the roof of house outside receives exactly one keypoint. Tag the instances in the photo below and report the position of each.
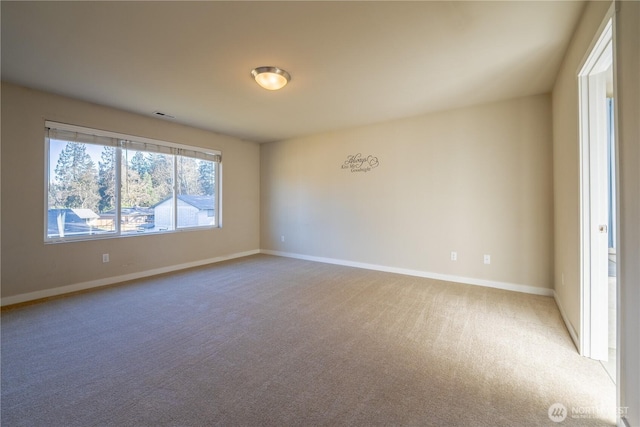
(85, 213)
(129, 212)
(200, 202)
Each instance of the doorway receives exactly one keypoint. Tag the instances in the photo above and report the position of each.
(598, 204)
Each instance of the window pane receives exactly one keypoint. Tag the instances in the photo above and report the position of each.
(196, 198)
(147, 192)
(81, 189)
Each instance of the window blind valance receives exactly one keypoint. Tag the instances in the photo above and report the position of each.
(80, 137)
(65, 132)
(202, 155)
(145, 146)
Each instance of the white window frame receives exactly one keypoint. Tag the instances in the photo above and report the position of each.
(176, 149)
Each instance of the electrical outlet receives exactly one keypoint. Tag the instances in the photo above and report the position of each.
(105, 257)
(282, 238)
(487, 259)
(454, 256)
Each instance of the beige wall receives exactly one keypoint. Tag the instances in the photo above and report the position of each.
(29, 265)
(627, 63)
(566, 165)
(476, 180)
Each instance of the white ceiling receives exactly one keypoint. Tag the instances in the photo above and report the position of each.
(352, 63)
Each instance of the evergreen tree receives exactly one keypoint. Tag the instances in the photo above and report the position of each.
(206, 177)
(107, 179)
(187, 175)
(140, 163)
(161, 173)
(76, 178)
(136, 190)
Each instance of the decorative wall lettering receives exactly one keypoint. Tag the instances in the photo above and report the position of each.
(360, 163)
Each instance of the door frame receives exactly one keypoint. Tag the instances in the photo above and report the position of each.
(593, 194)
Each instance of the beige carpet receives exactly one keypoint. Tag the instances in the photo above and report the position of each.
(282, 342)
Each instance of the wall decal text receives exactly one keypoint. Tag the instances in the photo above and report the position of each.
(360, 163)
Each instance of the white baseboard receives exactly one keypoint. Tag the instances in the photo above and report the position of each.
(466, 280)
(565, 319)
(31, 296)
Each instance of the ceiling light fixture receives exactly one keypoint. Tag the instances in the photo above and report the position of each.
(271, 78)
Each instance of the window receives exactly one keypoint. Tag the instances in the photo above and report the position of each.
(105, 184)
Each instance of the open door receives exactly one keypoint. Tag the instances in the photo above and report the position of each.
(595, 197)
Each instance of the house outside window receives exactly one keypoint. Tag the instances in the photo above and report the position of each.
(193, 211)
(103, 184)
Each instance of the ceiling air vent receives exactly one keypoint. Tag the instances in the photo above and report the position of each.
(163, 115)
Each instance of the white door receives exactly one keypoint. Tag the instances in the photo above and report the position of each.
(595, 198)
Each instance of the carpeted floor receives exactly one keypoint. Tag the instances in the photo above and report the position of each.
(275, 341)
